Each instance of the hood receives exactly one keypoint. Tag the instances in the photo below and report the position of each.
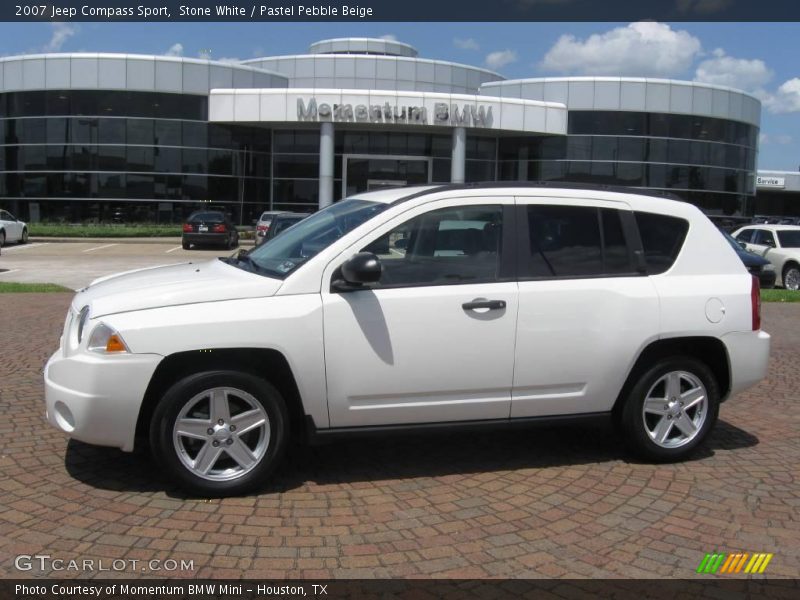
(187, 283)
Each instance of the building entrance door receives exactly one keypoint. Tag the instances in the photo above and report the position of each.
(362, 173)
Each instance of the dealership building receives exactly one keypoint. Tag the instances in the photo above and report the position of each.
(123, 137)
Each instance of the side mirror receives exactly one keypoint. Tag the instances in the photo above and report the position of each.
(360, 269)
(242, 254)
(401, 244)
(743, 245)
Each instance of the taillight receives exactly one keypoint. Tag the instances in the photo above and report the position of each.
(220, 228)
(261, 227)
(187, 228)
(755, 303)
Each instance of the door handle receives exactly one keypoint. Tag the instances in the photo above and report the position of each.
(480, 303)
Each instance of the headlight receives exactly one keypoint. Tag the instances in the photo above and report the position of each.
(82, 318)
(106, 340)
(768, 267)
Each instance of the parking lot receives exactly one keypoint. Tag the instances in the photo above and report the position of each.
(75, 264)
(537, 503)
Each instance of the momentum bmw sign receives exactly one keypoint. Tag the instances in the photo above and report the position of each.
(452, 115)
(387, 109)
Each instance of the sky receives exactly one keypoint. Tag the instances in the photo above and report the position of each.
(760, 58)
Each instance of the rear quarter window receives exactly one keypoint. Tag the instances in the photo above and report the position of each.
(662, 239)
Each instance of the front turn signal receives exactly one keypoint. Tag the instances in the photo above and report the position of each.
(106, 340)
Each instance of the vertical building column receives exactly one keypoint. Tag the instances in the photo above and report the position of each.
(326, 158)
(522, 164)
(459, 156)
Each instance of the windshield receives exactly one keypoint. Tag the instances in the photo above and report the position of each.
(295, 245)
(789, 239)
(731, 240)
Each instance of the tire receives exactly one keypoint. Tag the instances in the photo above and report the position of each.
(186, 245)
(24, 238)
(231, 462)
(2, 238)
(791, 277)
(229, 243)
(671, 427)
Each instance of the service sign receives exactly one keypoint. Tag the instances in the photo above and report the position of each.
(773, 182)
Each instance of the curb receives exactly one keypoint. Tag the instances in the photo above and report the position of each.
(99, 240)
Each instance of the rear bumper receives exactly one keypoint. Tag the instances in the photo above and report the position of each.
(748, 355)
(206, 238)
(96, 399)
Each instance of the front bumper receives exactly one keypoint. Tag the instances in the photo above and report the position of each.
(748, 353)
(96, 399)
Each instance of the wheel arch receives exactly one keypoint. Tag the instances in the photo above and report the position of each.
(709, 350)
(268, 364)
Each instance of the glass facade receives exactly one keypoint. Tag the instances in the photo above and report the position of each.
(134, 156)
(707, 161)
(77, 155)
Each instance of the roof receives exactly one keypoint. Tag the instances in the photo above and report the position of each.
(647, 200)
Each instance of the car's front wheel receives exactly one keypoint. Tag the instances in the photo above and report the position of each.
(220, 433)
(671, 409)
(24, 238)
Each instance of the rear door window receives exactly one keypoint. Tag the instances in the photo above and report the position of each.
(575, 241)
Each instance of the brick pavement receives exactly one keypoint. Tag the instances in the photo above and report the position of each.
(538, 503)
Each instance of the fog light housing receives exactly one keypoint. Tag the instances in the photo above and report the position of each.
(64, 417)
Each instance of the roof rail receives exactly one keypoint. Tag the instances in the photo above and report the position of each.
(597, 187)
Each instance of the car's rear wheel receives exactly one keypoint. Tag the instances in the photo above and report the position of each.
(185, 244)
(791, 277)
(220, 433)
(24, 238)
(2, 238)
(671, 409)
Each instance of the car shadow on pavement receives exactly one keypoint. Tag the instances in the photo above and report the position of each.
(399, 457)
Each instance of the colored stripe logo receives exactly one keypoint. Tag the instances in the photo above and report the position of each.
(738, 562)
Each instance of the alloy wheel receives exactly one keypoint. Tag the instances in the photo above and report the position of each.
(221, 433)
(675, 409)
(792, 279)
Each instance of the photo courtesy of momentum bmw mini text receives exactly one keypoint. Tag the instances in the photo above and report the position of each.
(399, 300)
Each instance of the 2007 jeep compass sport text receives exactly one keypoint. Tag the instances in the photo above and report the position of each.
(441, 306)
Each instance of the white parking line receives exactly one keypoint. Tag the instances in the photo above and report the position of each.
(9, 272)
(173, 249)
(24, 246)
(99, 247)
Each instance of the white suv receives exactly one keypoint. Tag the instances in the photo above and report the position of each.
(422, 308)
